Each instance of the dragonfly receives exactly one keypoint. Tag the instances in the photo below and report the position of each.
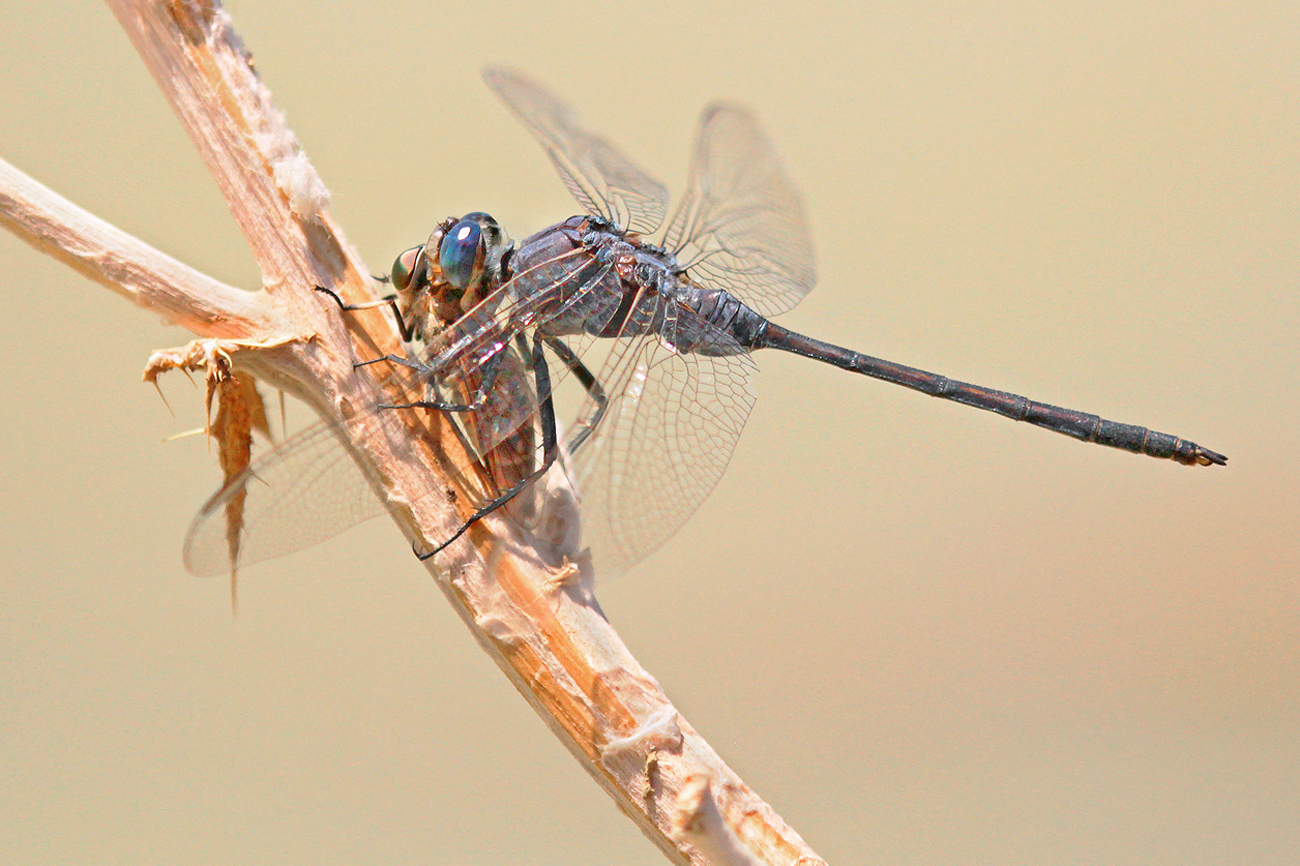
(644, 348)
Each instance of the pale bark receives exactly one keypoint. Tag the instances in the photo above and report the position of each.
(526, 606)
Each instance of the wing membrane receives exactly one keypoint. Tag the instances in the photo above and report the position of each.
(740, 225)
(668, 432)
(306, 490)
(603, 180)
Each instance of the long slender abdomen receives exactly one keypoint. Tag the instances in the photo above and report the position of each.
(1080, 425)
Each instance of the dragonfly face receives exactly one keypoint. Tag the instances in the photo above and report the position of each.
(440, 280)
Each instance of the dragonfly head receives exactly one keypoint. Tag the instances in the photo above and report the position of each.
(452, 271)
(470, 255)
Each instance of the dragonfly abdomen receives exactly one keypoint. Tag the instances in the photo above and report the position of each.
(721, 325)
(1070, 422)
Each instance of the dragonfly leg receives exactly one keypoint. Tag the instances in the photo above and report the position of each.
(423, 369)
(550, 450)
(406, 330)
(408, 333)
(595, 391)
(436, 405)
(491, 370)
(417, 366)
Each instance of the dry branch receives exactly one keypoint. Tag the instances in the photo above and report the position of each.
(525, 605)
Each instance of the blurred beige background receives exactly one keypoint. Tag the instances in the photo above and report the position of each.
(925, 634)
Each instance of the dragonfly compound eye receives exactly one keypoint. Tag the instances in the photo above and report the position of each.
(403, 266)
(461, 253)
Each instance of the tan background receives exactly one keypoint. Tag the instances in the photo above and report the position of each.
(926, 635)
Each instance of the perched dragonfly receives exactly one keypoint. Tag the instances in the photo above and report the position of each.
(668, 328)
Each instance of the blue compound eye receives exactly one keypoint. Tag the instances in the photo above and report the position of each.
(460, 254)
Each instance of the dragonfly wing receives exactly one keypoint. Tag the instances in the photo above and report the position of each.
(306, 490)
(603, 180)
(667, 434)
(740, 225)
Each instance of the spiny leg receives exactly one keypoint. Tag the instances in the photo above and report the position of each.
(586, 426)
(406, 330)
(491, 371)
(550, 449)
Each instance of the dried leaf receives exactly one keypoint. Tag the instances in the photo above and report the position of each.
(240, 411)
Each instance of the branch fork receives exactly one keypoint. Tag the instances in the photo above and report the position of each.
(525, 597)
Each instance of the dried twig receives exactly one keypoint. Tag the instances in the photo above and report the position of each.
(526, 608)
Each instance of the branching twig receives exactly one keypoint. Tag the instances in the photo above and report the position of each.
(525, 609)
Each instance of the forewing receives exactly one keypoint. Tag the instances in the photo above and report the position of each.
(668, 432)
(740, 225)
(306, 490)
(603, 180)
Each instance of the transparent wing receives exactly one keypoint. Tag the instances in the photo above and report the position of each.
(665, 438)
(740, 225)
(603, 180)
(310, 489)
(306, 490)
